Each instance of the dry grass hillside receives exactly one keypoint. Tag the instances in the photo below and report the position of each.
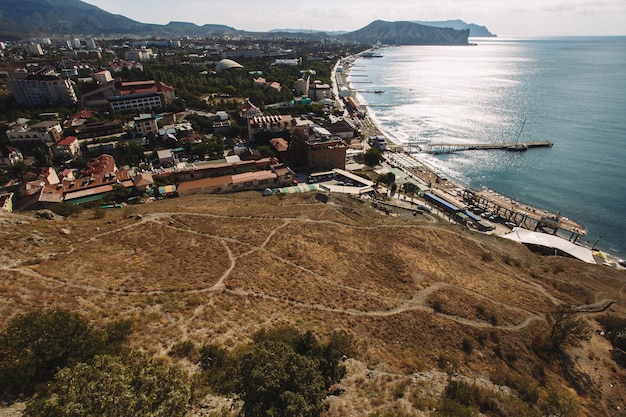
(420, 296)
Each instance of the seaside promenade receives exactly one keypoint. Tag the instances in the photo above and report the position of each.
(418, 171)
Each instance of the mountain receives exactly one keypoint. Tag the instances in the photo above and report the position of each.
(407, 33)
(24, 18)
(475, 30)
(28, 18)
(20, 18)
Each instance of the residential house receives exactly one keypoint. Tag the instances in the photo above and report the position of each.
(10, 156)
(143, 182)
(66, 149)
(46, 132)
(249, 110)
(276, 176)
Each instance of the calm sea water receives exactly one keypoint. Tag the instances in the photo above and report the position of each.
(570, 91)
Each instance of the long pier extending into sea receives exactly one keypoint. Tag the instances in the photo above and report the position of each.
(437, 148)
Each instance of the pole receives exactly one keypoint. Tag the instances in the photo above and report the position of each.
(594, 245)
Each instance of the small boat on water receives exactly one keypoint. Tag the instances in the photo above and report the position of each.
(379, 91)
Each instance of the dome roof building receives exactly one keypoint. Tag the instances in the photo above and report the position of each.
(225, 64)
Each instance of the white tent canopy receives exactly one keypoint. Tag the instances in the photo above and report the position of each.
(551, 241)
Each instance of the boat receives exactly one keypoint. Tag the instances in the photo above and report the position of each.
(379, 91)
(518, 146)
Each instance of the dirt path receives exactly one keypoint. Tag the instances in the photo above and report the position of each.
(418, 301)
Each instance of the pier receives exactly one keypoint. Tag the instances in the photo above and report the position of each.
(438, 148)
(523, 215)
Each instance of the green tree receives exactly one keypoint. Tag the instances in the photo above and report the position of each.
(134, 386)
(567, 328)
(42, 157)
(34, 346)
(277, 381)
(373, 157)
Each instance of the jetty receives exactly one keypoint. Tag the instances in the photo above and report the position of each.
(439, 148)
(523, 215)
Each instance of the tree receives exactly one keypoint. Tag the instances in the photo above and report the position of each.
(34, 346)
(567, 329)
(134, 386)
(277, 381)
(373, 157)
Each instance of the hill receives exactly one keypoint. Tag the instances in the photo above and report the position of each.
(475, 30)
(424, 300)
(28, 18)
(406, 33)
(22, 18)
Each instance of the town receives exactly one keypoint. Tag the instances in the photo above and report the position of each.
(104, 122)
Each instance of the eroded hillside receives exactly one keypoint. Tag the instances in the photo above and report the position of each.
(423, 299)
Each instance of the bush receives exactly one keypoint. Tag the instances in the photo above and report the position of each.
(277, 381)
(185, 349)
(65, 209)
(34, 346)
(133, 386)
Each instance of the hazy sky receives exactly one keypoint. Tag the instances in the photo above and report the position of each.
(502, 17)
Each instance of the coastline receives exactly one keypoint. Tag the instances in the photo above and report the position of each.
(427, 174)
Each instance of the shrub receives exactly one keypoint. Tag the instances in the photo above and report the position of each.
(34, 346)
(184, 349)
(133, 386)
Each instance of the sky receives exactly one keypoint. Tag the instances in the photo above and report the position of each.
(502, 17)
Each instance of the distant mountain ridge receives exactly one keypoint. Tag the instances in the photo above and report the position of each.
(31, 18)
(475, 30)
(407, 33)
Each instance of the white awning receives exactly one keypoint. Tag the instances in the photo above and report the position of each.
(551, 241)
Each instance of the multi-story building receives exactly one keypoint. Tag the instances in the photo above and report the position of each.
(319, 91)
(301, 86)
(46, 132)
(315, 149)
(43, 88)
(146, 123)
(276, 124)
(126, 97)
(140, 54)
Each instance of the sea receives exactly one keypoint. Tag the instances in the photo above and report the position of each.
(570, 91)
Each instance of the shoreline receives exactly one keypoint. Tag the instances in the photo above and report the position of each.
(428, 175)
